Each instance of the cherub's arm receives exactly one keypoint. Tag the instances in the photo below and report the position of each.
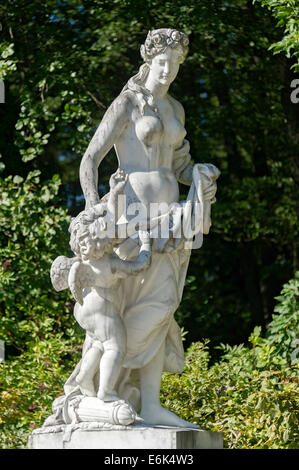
(107, 134)
(81, 275)
(122, 268)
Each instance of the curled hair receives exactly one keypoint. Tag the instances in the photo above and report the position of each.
(157, 42)
(86, 229)
(136, 84)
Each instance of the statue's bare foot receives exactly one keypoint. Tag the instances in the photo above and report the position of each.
(108, 396)
(157, 415)
(86, 386)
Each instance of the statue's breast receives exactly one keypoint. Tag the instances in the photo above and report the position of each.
(174, 132)
(149, 130)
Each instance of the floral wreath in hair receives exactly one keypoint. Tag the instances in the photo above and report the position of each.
(158, 40)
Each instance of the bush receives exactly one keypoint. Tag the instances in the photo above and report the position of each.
(283, 330)
(34, 233)
(29, 384)
(251, 393)
(37, 324)
(254, 407)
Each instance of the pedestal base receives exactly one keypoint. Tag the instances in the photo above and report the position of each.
(101, 436)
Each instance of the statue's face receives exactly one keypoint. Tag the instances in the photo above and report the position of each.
(164, 67)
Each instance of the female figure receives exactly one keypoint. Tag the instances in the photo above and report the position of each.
(146, 127)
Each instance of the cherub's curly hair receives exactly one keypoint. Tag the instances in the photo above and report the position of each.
(85, 231)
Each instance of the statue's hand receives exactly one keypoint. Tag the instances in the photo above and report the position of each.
(144, 237)
(118, 181)
(145, 254)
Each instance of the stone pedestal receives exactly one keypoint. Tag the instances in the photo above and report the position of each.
(100, 436)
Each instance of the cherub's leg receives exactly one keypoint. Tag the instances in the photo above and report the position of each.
(89, 366)
(111, 362)
(109, 371)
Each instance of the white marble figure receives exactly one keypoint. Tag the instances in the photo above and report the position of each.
(99, 314)
(131, 334)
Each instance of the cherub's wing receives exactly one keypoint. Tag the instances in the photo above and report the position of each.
(59, 272)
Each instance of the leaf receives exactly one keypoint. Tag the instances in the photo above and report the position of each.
(18, 179)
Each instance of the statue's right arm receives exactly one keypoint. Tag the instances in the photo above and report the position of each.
(83, 275)
(110, 129)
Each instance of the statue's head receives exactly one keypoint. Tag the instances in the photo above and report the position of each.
(163, 52)
(88, 231)
(164, 40)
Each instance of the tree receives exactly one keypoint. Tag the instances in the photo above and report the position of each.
(63, 63)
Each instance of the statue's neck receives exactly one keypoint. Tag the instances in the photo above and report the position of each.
(158, 90)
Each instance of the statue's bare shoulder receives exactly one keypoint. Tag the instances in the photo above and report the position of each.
(125, 101)
(122, 105)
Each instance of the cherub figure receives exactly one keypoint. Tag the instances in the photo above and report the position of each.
(93, 277)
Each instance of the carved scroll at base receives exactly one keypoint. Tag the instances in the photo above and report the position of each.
(116, 412)
(75, 408)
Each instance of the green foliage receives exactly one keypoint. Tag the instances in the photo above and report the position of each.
(7, 64)
(244, 396)
(29, 384)
(251, 393)
(34, 232)
(37, 324)
(284, 327)
(287, 13)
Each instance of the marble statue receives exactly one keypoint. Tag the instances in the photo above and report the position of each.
(128, 272)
